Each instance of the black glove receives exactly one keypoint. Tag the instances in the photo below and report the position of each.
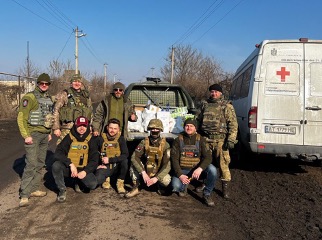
(229, 145)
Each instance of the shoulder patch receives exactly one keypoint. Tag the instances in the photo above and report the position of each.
(25, 103)
(138, 148)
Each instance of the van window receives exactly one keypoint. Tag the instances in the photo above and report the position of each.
(316, 79)
(245, 85)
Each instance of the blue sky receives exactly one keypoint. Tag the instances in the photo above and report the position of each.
(134, 36)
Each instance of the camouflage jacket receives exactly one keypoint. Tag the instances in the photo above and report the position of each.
(217, 118)
(62, 102)
(138, 158)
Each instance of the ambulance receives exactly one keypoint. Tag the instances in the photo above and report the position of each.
(277, 96)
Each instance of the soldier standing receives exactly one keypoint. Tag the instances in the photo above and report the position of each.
(35, 122)
(151, 160)
(115, 105)
(218, 123)
(70, 104)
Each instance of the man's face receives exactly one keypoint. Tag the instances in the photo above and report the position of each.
(113, 129)
(215, 94)
(43, 86)
(190, 129)
(155, 133)
(118, 92)
(81, 129)
(76, 84)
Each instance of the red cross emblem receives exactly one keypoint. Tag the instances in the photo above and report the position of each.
(283, 73)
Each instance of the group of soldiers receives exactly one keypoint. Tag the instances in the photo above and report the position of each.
(92, 151)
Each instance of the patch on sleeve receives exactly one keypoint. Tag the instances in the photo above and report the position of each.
(138, 148)
(25, 103)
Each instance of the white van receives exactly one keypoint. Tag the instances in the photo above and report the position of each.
(277, 95)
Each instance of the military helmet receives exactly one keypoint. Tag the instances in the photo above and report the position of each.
(155, 123)
(44, 77)
(76, 77)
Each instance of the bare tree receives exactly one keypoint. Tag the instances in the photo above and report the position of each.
(194, 71)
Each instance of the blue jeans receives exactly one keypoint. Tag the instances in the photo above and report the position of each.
(209, 174)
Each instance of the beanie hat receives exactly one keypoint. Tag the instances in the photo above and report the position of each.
(44, 77)
(190, 121)
(216, 87)
(118, 85)
(81, 121)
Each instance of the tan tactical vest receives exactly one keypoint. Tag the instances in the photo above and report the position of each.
(190, 154)
(43, 115)
(153, 156)
(78, 151)
(110, 148)
(77, 106)
(214, 121)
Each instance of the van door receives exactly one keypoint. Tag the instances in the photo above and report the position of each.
(313, 94)
(281, 94)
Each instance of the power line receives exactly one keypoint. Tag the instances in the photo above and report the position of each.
(71, 23)
(53, 13)
(64, 46)
(39, 16)
(218, 21)
(199, 21)
(91, 52)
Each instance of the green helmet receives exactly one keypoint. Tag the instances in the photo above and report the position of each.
(155, 123)
(76, 77)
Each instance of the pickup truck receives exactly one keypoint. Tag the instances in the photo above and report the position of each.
(161, 94)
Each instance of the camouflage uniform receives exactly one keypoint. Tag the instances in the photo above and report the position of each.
(69, 105)
(218, 123)
(112, 107)
(35, 121)
(158, 168)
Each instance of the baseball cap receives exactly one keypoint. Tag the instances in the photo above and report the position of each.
(81, 121)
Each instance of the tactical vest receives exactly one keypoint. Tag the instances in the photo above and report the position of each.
(154, 156)
(78, 105)
(110, 148)
(214, 122)
(190, 154)
(43, 115)
(78, 151)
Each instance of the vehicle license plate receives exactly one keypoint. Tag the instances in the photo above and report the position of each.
(280, 129)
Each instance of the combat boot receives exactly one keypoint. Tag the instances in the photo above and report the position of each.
(120, 186)
(135, 191)
(200, 188)
(38, 193)
(225, 186)
(209, 202)
(23, 202)
(61, 196)
(107, 183)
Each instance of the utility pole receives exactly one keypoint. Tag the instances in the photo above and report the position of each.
(152, 69)
(105, 76)
(172, 64)
(76, 50)
(114, 78)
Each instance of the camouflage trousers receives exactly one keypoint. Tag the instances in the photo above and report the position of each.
(134, 174)
(221, 158)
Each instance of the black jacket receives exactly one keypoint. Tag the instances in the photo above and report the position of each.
(62, 149)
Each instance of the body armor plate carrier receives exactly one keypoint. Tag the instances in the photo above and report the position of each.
(78, 151)
(154, 157)
(190, 154)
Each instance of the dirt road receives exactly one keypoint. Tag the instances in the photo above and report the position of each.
(272, 198)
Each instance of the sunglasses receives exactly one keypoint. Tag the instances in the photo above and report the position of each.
(118, 90)
(44, 83)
